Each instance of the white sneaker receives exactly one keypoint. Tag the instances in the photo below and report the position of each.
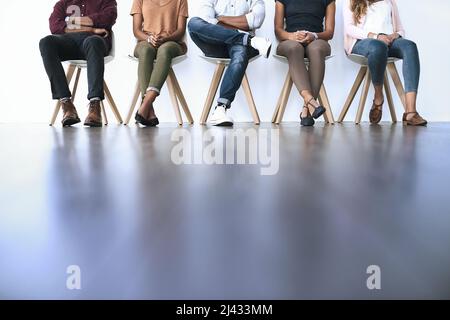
(219, 117)
(263, 45)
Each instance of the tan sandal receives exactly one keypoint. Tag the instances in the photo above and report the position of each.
(416, 120)
(376, 113)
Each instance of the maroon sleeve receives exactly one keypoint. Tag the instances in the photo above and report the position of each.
(58, 17)
(107, 15)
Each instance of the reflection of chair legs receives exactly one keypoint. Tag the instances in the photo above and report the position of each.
(284, 98)
(364, 76)
(215, 82)
(70, 71)
(176, 96)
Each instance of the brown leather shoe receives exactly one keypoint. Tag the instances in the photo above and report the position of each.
(376, 113)
(70, 115)
(415, 120)
(94, 118)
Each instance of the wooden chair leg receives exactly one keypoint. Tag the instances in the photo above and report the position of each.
(181, 97)
(356, 85)
(323, 97)
(277, 108)
(397, 82)
(69, 76)
(363, 100)
(173, 97)
(137, 92)
(112, 103)
(105, 117)
(390, 101)
(250, 100)
(212, 92)
(284, 101)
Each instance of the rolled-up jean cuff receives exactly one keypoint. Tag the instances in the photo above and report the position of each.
(153, 89)
(225, 102)
(245, 40)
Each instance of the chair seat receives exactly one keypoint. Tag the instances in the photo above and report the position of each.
(363, 61)
(175, 60)
(284, 59)
(83, 63)
(225, 61)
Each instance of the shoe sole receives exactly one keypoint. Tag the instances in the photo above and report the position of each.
(268, 52)
(70, 122)
(405, 123)
(223, 124)
(93, 124)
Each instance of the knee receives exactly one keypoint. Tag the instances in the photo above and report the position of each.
(410, 47)
(295, 50)
(46, 43)
(195, 24)
(318, 51)
(94, 43)
(378, 49)
(239, 57)
(165, 53)
(144, 51)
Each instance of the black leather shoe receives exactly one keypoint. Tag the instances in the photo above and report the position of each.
(318, 111)
(148, 123)
(308, 121)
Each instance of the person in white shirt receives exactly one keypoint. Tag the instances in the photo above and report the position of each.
(226, 29)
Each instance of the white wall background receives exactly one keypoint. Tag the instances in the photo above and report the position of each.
(25, 91)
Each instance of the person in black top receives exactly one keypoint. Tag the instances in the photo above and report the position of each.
(299, 26)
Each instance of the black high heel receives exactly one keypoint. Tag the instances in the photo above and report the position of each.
(318, 111)
(308, 121)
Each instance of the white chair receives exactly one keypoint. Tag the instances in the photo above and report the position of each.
(221, 64)
(286, 91)
(364, 75)
(175, 92)
(78, 65)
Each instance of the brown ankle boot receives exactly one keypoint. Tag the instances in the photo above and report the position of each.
(415, 120)
(70, 115)
(94, 118)
(376, 113)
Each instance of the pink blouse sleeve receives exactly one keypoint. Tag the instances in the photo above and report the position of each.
(397, 22)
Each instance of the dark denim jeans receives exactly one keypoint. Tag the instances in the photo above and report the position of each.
(74, 46)
(219, 42)
(378, 52)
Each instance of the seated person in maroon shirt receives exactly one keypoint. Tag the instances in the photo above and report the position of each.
(81, 30)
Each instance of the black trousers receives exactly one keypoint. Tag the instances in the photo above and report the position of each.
(74, 46)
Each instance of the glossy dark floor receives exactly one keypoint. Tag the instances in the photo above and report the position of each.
(112, 202)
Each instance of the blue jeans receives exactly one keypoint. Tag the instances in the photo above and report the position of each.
(220, 42)
(378, 52)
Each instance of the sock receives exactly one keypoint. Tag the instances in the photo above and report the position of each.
(64, 99)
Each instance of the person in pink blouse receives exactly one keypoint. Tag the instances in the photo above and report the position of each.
(81, 30)
(373, 29)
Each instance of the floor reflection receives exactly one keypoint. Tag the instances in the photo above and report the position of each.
(113, 202)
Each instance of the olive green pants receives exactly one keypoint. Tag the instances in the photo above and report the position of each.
(154, 64)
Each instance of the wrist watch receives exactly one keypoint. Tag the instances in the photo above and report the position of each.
(315, 35)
